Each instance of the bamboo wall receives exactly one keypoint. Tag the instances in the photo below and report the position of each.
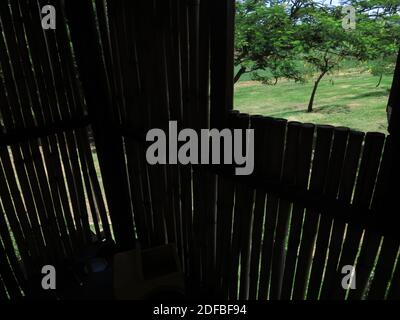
(50, 193)
(319, 197)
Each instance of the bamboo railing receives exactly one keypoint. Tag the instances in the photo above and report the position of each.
(319, 197)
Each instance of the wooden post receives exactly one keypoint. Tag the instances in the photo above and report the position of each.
(222, 44)
(394, 100)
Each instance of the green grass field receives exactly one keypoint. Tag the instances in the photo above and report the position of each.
(348, 99)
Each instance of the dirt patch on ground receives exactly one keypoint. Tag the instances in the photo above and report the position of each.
(243, 84)
(354, 105)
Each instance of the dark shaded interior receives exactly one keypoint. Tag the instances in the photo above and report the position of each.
(320, 197)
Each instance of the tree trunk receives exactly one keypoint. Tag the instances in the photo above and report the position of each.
(240, 72)
(316, 83)
(380, 79)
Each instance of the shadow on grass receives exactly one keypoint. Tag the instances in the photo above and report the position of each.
(383, 126)
(380, 93)
(332, 108)
(325, 109)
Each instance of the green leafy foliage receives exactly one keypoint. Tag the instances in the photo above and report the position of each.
(299, 39)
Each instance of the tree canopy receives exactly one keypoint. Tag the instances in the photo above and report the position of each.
(282, 36)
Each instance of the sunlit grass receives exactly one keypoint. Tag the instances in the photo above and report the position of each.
(346, 99)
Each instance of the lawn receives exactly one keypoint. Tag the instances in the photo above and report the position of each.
(349, 99)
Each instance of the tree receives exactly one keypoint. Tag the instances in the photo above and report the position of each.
(381, 67)
(379, 23)
(375, 8)
(326, 43)
(265, 38)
